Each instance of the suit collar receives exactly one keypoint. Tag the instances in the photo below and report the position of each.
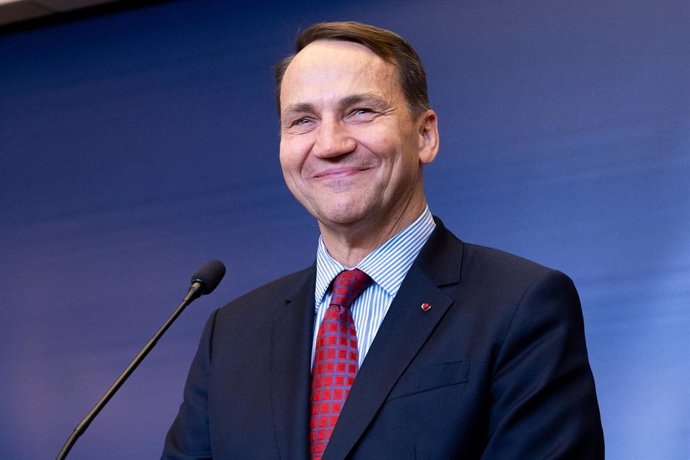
(441, 257)
(290, 361)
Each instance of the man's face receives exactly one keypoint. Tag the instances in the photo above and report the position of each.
(350, 150)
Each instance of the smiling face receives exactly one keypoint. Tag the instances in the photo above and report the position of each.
(350, 150)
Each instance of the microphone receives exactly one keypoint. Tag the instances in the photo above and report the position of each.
(208, 277)
(204, 281)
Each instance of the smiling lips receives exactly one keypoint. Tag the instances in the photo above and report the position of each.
(339, 172)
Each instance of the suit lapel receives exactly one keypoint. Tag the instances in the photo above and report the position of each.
(291, 341)
(402, 334)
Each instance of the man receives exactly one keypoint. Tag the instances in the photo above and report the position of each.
(451, 350)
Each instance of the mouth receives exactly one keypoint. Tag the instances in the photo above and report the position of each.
(340, 172)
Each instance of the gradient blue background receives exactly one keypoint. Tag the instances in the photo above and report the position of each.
(135, 146)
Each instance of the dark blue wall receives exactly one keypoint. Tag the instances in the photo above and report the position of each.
(137, 145)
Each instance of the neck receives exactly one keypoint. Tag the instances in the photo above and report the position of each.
(352, 244)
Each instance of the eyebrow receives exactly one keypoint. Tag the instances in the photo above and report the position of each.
(370, 98)
(300, 107)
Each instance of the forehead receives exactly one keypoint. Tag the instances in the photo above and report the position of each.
(335, 68)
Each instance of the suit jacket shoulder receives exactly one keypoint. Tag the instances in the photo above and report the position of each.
(259, 303)
(496, 368)
(247, 390)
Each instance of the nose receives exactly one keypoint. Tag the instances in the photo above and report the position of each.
(333, 139)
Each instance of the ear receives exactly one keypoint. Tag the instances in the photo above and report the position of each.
(428, 136)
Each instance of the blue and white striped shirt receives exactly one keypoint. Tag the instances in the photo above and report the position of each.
(387, 265)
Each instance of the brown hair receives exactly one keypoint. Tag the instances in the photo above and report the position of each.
(387, 45)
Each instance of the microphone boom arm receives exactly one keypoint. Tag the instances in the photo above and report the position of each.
(192, 294)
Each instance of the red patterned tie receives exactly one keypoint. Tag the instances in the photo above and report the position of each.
(335, 358)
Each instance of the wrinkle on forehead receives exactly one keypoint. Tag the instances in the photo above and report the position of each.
(333, 70)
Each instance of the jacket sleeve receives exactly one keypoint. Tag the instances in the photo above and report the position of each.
(188, 437)
(544, 400)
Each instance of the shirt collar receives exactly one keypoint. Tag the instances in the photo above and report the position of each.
(387, 265)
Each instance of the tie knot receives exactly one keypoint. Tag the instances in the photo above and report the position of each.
(347, 286)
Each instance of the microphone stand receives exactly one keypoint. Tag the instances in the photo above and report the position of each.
(193, 293)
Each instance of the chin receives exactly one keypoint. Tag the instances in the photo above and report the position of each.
(340, 217)
(340, 209)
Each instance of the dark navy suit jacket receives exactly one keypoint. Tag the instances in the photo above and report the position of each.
(496, 369)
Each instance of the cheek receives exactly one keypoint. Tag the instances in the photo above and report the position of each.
(293, 153)
(390, 152)
(290, 172)
(289, 158)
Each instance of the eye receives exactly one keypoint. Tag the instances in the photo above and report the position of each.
(300, 121)
(363, 113)
(299, 124)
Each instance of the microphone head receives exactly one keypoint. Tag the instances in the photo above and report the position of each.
(209, 276)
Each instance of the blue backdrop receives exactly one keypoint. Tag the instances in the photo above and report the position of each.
(137, 145)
